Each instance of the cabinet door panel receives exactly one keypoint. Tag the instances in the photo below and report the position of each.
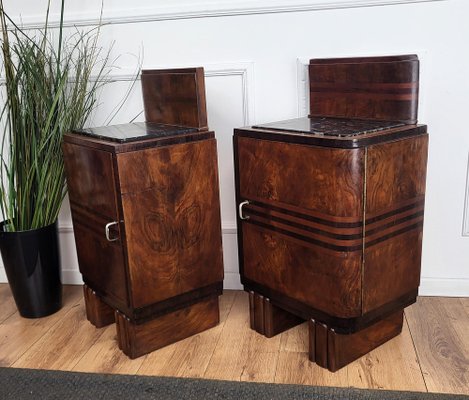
(90, 178)
(101, 263)
(171, 208)
(326, 280)
(312, 179)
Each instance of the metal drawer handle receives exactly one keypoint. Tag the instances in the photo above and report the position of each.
(106, 231)
(240, 209)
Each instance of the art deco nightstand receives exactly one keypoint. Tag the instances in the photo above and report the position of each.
(146, 215)
(331, 208)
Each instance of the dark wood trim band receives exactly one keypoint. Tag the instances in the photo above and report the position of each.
(355, 236)
(394, 223)
(319, 220)
(347, 143)
(395, 211)
(152, 311)
(306, 239)
(338, 324)
(418, 225)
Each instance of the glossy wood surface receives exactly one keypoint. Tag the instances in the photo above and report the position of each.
(267, 319)
(396, 173)
(343, 349)
(395, 190)
(331, 224)
(101, 263)
(97, 311)
(429, 355)
(136, 340)
(90, 179)
(156, 266)
(384, 88)
(326, 280)
(175, 97)
(331, 183)
(173, 228)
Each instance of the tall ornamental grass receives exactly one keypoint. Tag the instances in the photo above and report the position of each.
(48, 90)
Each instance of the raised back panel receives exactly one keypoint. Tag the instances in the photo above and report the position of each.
(380, 88)
(175, 97)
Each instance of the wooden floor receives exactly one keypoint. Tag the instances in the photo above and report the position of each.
(431, 354)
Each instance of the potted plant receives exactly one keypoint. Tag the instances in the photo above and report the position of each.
(48, 91)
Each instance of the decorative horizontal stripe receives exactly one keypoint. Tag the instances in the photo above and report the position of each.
(333, 235)
(304, 238)
(394, 211)
(418, 225)
(392, 222)
(336, 95)
(317, 217)
(249, 211)
(415, 216)
(404, 86)
(287, 218)
(308, 234)
(393, 218)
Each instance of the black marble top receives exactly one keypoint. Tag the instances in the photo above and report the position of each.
(135, 131)
(328, 126)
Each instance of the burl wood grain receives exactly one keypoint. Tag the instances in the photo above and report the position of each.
(171, 208)
(175, 97)
(328, 181)
(136, 340)
(326, 280)
(334, 351)
(97, 311)
(396, 175)
(384, 88)
(392, 269)
(90, 179)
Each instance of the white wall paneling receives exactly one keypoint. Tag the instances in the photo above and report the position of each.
(277, 38)
(120, 12)
(465, 227)
(230, 94)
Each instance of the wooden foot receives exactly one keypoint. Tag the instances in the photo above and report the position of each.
(333, 351)
(135, 340)
(97, 312)
(267, 319)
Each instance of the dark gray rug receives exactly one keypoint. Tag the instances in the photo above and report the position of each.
(29, 384)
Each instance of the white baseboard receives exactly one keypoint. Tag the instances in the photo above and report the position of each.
(444, 287)
(232, 281)
(71, 277)
(428, 287)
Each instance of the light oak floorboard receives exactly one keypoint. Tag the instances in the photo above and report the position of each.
(104, 356)
(439, 329)
(392, 366)
(18, 334)
(7, 303)
(189, 357)
(242, 354)
(431, 353)
(63, 346)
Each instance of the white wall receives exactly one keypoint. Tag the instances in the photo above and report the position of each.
(254, 54)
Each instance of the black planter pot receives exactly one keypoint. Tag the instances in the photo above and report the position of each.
(32, 264)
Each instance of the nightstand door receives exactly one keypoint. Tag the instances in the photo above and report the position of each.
(93, 201)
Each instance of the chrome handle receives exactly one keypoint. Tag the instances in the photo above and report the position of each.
(106, 231)
(240, 209)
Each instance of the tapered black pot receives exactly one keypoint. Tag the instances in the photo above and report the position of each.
(32, 264)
